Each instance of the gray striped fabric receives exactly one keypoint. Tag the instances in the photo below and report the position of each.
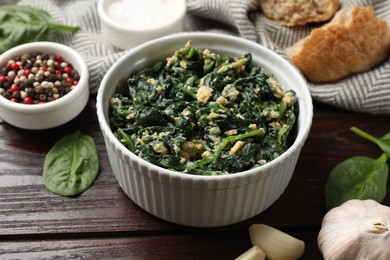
(367, 92)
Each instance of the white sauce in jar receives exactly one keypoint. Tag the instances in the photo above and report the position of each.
(144, 14)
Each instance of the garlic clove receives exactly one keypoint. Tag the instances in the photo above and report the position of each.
(254, 253)
(358, 229)
(276, 244)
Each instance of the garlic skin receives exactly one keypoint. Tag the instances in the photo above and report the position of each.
(358, 229)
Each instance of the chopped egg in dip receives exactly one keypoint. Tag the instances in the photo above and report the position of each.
(201, 113)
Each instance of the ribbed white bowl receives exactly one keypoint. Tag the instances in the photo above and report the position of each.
(202, 201)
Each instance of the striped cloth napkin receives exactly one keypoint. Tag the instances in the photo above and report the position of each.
(367, 92)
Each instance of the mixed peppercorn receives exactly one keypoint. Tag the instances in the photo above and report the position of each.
(36, 78)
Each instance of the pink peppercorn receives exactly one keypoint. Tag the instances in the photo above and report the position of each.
(3, 79)
(27, 100)
(59, 58)
(13, 88)
(27, 72)
(70, 80)
(68, 70)
(14, 66)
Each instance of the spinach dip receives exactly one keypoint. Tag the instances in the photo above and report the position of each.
(200, 113)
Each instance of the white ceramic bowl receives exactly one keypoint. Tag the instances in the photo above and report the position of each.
(202, 201)
(54, 113)
(126, 37)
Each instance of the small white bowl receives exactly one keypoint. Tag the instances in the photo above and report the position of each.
(192, 200)
(54, 113)
(125, 37)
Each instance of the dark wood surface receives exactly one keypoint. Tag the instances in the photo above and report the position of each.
(103, 223)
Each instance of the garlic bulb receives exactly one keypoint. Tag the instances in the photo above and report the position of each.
(358, 229)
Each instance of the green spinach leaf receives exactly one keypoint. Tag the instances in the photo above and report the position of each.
(357, 178)
(72, 165)
(127, 140)
(383, 143)
(22, 24)
(222, 146)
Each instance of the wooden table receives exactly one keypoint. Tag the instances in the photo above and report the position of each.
(104, 223)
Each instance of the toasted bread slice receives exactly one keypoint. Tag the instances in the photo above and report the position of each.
(354, 41)
(299, 12)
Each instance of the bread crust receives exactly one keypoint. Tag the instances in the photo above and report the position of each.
(352, 42)
(299, 12)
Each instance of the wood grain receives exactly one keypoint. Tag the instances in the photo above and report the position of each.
(104, 216)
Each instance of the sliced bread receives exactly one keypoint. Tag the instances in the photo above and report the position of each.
(299, 12)
(354, 41)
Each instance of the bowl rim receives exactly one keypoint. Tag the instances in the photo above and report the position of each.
(52, 47)
(182, 9)
(297, 144)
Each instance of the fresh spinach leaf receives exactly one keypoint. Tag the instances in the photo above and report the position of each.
(357, 178)
(383, 143)
(22, 24)
(72, 165)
